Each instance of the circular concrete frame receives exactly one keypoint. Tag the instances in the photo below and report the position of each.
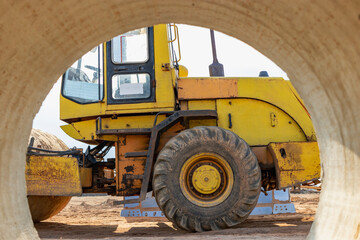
(316, 42)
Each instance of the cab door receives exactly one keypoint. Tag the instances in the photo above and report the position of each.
(135, 79)
(130, 67)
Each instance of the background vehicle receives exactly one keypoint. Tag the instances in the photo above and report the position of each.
(205, 146)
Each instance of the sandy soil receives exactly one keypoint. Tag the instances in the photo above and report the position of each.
(95, 217)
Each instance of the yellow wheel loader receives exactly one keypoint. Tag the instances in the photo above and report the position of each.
(206, 147)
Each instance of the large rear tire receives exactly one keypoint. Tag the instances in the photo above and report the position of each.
(206, 178)
(44, 207)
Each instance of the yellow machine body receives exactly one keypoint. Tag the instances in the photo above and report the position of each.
(266, 112)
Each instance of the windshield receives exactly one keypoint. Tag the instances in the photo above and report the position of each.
(83, 81)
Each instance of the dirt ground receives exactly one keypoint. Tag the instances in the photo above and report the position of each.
(95, 217)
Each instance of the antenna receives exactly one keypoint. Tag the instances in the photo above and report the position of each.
(216, 69)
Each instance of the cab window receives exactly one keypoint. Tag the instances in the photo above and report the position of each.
(131, 86)
(131, 47)
(83, 81)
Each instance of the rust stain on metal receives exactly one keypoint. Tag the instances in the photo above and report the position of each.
(86, 177)
(295, 162)
(52, 176)
(129, 168)
(207, 88)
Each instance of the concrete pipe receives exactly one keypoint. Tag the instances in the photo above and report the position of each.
(316, 42)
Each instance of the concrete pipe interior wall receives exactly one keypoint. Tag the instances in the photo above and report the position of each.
(316, 42)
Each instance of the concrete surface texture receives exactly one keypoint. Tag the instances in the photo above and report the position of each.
(316, 42)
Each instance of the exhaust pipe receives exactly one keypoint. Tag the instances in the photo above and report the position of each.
(216, 69)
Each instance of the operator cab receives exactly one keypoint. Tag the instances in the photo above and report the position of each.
(130, 71)
(120, 76)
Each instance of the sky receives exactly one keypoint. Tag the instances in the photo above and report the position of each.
(238, 58)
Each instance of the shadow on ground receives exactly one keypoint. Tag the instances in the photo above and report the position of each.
(280, 226)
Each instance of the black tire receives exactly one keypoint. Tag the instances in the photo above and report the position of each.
(169, 191)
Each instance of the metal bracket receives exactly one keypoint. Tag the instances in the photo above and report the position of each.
(274, 202)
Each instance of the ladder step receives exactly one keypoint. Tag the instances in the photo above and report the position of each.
(135, 154)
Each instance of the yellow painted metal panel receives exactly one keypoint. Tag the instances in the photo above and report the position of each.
(86, 177)
(85, 131)
(70, 109)
(257, 122)
(276, 91)
(197, 88)
(295, 162)
(202, 105)
(52, 176)
(70, 130)
(82, 131)
(131, 122)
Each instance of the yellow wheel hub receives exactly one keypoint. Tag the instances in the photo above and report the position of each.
(206, 179)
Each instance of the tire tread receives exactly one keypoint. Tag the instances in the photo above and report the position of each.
(162, 174)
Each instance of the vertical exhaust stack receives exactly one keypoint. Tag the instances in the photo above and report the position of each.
(216, 69)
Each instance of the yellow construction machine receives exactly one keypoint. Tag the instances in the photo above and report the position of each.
(205, 146)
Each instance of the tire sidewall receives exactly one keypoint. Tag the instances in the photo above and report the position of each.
(222, 146)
